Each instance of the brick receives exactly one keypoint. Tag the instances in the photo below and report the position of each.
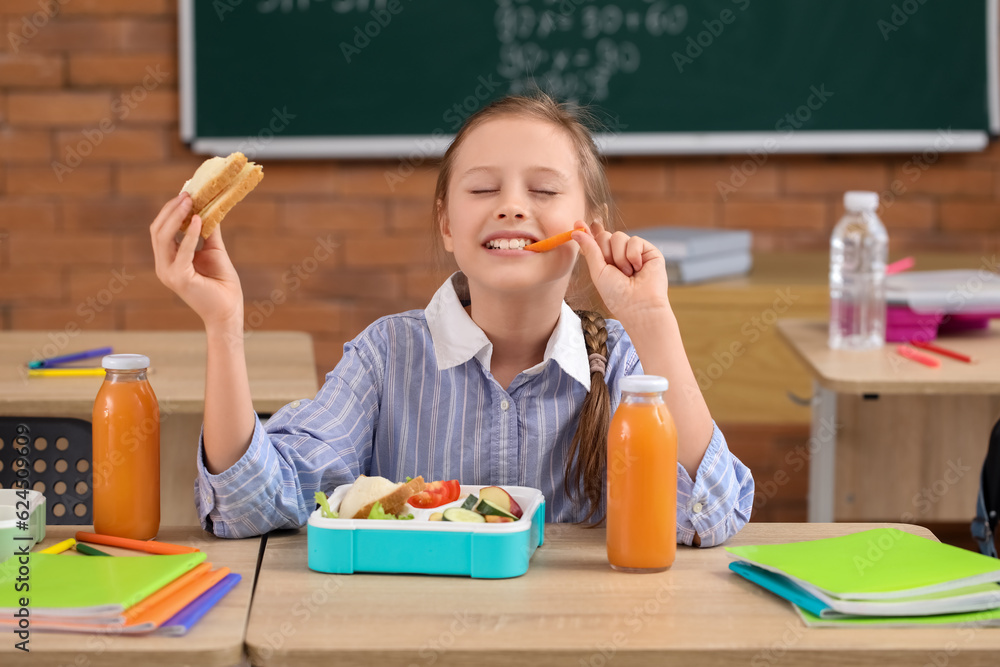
(644, 178)
(85, 181)
(387, 251)
(972, 242)
(67, 248)
(58, 109)
(27, 284)
(256, 212)
(919, 177)
(970, 216)
(312, 215)
(28, 215)
(362, 284)
(108, 214)
(791, 240)
(118, 145)
(95, 69)
(389, 179)
(834, 177)
(168, 318)
(26, 71)
(57, 318)
(159, 180)
(328, 351)
(412, 216)
(118, 284)
(906, 214)
(139, 105)
(736, 177)
(420, 286)
(311, 316)
(72, 35)
(636, 214)
(782, 214)
(119, 7)
(284, 178)
(17, 145)
(134, 250)
(148, 34)
(302, 254)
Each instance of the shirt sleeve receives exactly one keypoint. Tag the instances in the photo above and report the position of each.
(717, 503)
(307, 446)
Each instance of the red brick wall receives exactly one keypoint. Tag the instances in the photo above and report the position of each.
(65, 83)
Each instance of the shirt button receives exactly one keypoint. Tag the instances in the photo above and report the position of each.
(293, 404)
(504, 405)
(697, 508)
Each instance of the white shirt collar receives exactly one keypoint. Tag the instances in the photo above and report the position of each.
(457, 338)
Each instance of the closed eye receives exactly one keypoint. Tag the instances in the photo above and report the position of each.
(481, 192)
(545, 192)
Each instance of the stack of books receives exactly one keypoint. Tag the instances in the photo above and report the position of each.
(883, 577)
(69, 592)
(697, 254)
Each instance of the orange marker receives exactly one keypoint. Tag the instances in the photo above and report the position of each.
(918, 357)
(136, 545)
(552, 242)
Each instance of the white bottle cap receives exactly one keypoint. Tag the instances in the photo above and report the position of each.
(860, 200)
(125, 362)
(644, 384)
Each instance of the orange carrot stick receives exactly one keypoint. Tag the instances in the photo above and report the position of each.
(552, 242)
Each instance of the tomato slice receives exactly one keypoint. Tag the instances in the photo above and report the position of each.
(436, 494)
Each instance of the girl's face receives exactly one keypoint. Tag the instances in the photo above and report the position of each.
(514, 180)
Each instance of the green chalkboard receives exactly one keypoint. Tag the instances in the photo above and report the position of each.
(386, 77)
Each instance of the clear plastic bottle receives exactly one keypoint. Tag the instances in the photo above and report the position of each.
(642, 478)
(126, 434)
(858, 250)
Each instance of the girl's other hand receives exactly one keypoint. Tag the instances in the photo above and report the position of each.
(628, 272)
(206, 280)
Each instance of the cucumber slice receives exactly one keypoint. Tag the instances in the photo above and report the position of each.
(486, 508)
(470, 502)
(461, 515)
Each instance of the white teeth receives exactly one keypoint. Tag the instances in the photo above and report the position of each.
(507, 244)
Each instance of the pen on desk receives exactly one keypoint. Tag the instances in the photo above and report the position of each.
(919, 357)
(904, 264)
(75, 356)
(942, 351)
(90, 551)
(150, 546)
(65, 372)
(59, 547)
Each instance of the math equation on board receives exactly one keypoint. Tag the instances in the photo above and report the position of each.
(572, 49)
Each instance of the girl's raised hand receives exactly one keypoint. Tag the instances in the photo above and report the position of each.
(628, 272)
(206, 280)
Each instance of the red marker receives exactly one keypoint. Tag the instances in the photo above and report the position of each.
(920, 358)
(942, 350)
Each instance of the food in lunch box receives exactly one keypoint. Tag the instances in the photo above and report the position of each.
(367, 491)
(436, 494)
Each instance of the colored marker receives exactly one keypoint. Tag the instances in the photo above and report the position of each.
(75, 356)
(920, 358)
(942, 351)
(150, 547)
(65, 372)
(59, 547)
(90, 551)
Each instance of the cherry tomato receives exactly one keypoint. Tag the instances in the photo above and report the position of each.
(436, 494)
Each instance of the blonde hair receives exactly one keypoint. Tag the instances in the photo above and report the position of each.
(586, 462)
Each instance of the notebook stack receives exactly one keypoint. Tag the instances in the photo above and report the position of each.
(162, 594)
(696, 254)
(882, 578)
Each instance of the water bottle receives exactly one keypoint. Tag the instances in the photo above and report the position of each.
(858, 250)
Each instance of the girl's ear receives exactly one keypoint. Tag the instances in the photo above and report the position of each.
(445, 227)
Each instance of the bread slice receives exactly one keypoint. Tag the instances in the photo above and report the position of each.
(245, 181)
(366, 491)
(212, 177)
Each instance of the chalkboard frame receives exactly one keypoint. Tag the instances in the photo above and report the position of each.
(423, 146)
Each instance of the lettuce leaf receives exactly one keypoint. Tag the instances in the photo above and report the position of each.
(378, 513)
(324, 506)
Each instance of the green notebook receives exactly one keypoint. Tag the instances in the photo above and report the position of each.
(879, 564)
(989, 618)
(87, 586)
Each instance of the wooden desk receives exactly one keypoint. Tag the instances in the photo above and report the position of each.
(281, 367)
(216, 640)
(570, 609)
(892, 438)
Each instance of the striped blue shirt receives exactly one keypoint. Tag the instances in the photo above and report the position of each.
(413, 395)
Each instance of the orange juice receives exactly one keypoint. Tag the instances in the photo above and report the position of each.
(642, 479)
(126, 435)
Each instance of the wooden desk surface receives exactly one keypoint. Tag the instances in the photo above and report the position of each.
(281, 366)
(570, 609)
(216, 640)
(885, 372)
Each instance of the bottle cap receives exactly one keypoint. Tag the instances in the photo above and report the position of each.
(860, 200)
(644, 384)
(125, 362)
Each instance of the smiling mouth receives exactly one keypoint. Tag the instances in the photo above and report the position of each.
(507, 244)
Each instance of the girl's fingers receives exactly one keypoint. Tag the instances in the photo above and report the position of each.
(181, 201)
(185, 251)
(619, 244)
(633, 252)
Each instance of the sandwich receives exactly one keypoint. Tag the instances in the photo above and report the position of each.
(217, 186)
(366, 491)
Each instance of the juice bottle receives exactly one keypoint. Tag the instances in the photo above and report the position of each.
(126, 434)
(642, 479)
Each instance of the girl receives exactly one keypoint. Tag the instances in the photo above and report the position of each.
(497, 381)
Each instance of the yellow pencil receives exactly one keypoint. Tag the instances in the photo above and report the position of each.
(65, 372)
(59, 548)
